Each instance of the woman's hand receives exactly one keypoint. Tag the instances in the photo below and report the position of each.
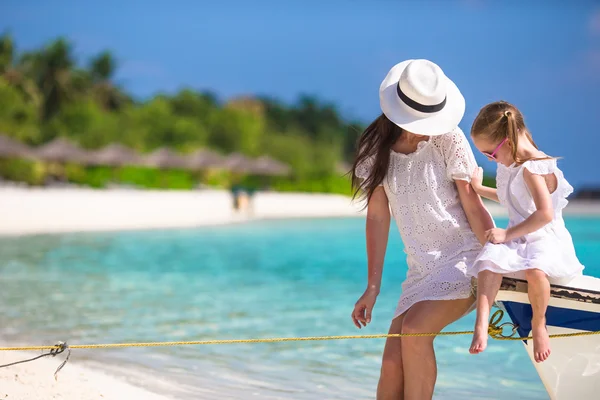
(364, 307)
(496, 236)
(477, 179)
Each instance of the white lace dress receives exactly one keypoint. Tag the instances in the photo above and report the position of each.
(550, 248)
(424, 201)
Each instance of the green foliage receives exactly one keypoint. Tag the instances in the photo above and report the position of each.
(98, 177)
(489, 181)
(151, 178)
(84, 122)
(147, 178)
(153, 125)
(47, 93)
(22, 171)
(17, 117)
(7, 53)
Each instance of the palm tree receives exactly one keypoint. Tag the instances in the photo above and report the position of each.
(15, 75)
(7, 52)
(101, 70)
(52, 71)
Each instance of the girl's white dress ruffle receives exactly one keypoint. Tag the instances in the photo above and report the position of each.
(549, 249)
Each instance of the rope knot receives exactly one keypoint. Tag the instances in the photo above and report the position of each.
(60, 347)
(496, 329)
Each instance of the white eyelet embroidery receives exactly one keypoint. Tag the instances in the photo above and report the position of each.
(434, 228)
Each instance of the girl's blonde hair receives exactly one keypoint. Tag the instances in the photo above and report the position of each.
(500, 120)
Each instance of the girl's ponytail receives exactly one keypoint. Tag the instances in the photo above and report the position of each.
(512, 133)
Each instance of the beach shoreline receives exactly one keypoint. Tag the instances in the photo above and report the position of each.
(33, 211)
(35, 381)
(30, 211)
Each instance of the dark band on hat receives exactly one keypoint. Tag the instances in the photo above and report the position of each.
(418, 106)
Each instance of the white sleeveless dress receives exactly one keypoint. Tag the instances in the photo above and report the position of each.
(549, 249)
(424, 201)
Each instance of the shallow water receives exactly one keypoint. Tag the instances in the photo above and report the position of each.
(262, 279)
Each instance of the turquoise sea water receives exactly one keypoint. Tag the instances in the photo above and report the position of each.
(262, 279)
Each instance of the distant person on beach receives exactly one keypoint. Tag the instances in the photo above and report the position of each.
(536, 243)
(415, 160)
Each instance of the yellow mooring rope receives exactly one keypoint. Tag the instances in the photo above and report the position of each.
(495, 330)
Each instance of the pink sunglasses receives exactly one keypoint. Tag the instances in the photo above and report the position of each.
(493, 155)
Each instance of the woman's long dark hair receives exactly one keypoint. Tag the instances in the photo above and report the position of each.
(374, 149)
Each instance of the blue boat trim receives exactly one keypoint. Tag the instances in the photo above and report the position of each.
(520, 314)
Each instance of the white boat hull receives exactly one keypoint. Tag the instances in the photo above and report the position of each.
(573, 369)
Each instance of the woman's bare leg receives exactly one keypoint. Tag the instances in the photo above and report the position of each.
(391, 380)
(418, 357)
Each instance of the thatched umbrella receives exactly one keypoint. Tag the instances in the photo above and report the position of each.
(239, 163)
(265, 165)
(61, 151)
(58, 153)
(10, 148)
(115, 155)
(164, 158)
(205, 159)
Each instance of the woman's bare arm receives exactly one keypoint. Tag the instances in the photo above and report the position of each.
(377, 232)
(478, 216)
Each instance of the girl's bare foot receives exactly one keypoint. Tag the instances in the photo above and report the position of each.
(480, 338)
(541, 341)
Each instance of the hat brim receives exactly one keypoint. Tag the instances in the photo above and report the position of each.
(433, 124)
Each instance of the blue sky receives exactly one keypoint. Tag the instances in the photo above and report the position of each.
(543, 56)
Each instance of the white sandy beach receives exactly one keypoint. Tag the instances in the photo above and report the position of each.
(37, 210)
(35, 381)
(33, 211)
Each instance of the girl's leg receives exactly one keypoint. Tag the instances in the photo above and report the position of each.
(539, 295)
(391, 380)
(418, 357)
(488, 284)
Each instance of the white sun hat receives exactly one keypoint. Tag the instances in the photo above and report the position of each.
(418, 97)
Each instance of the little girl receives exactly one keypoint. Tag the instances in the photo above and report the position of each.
(536, 243)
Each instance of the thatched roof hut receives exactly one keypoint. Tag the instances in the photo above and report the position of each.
(115, 155)
(204, 159)
(266, 165)
(10, 148)
(164, 158)
(61, 151)
(239, 163)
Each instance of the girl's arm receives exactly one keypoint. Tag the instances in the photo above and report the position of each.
(488, 192)
(478, 216)
(544, 213)
(484, 191)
